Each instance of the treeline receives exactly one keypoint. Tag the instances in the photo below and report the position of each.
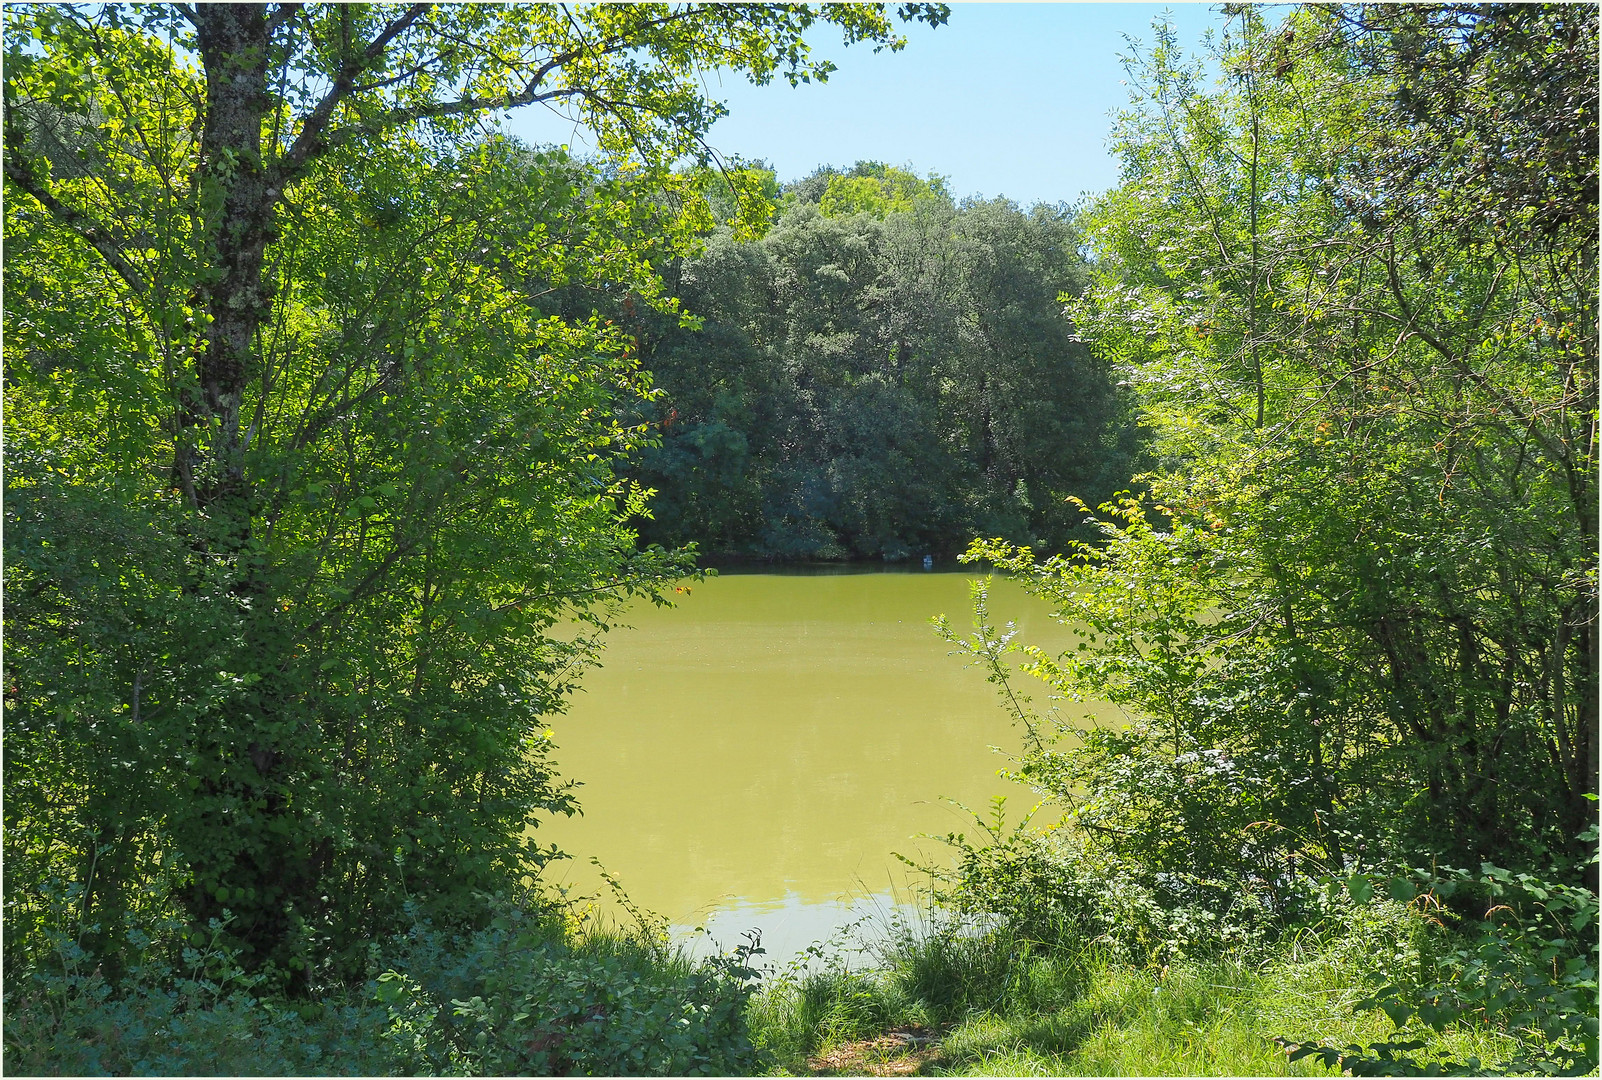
(886, 372)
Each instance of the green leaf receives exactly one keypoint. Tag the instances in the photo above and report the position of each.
(1398, 1011)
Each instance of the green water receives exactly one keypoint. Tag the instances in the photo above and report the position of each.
(755, 755)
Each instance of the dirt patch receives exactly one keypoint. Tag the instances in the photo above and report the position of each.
(905, 1051)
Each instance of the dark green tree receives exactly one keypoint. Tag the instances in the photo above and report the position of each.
(885, 372)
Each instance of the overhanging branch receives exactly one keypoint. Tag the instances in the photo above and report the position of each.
(70, 217)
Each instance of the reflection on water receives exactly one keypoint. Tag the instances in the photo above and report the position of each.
(790, 923)
(754, 756)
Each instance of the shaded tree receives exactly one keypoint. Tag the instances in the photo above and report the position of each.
(905, 378)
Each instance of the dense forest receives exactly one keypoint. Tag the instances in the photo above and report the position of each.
(330, 413)
(884, 372)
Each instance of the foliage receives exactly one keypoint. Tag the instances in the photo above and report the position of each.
(303, 469)
(1352, 619)
(879, 382)
(377, 707)
(189, 1011)
(741, 195)
(1375, 414)
(1048, 890)
(1528, 967)
(872, 187)
(526, 995)
(525, 999)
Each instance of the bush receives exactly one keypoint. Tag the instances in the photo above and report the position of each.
(1054, 891)
(1527, 968)
(65, 1016)
(528, 994)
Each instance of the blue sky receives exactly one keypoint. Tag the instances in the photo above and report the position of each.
(1005, 99)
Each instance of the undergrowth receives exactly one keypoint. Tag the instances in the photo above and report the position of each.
(1000, 1004)
(1374, 987)
(527, 993)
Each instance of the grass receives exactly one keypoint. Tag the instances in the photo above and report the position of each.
(942, 1000)
(532, 995)
(1204, 1019)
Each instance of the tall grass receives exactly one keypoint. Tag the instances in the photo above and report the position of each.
(1002, 1005)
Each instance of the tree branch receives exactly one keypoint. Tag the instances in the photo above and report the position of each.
(310, 142)
(284, 13)
(96, 234)
(396, 117)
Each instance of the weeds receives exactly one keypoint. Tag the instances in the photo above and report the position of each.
(530, 993)
(996, 1004)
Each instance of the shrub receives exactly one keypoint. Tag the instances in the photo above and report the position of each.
(1528, 968)
(528, 994)
(66, 1016)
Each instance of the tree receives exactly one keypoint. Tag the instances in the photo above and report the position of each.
(879, 382)
(1356, 618)
(303, 475)
(872, 187)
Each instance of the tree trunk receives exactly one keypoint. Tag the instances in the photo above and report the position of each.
(264, 868)
(237, 203)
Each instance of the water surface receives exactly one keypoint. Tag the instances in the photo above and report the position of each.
(755, 755)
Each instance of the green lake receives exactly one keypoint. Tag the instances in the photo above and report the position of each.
(754, 756)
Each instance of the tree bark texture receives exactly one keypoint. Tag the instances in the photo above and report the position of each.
(237, 202)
